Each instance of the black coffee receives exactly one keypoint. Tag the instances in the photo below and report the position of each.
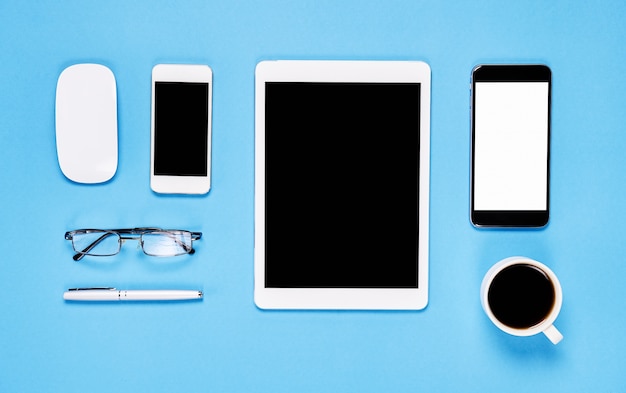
(521, 296)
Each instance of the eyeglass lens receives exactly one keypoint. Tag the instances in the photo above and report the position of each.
(166, 243)
(98, 243)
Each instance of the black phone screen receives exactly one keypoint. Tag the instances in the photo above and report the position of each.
(510, 145)
(181, 128)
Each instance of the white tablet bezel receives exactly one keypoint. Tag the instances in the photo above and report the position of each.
(341, 71)
(181, 184)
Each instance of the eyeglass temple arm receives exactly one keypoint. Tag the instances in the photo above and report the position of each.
(81, 254)
(194, 236)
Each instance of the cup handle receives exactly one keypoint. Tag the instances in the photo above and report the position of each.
(553, 334)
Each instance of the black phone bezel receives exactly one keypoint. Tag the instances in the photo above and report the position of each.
(510, 73)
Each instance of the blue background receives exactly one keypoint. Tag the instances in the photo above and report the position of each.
(225, 343)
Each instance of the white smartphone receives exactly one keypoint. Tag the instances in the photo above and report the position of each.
(180, 142)
(510, 145)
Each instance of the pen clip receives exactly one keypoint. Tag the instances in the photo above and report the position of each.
(92, 289)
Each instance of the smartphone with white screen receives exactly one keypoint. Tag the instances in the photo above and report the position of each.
(510, 145)
(180, 153)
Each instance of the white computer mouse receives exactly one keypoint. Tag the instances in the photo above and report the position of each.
(86, 123)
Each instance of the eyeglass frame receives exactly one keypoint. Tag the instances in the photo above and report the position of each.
(137, 235)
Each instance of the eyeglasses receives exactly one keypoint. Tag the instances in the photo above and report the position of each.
(153, 241)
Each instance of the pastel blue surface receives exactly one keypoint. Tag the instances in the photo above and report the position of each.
(225, 343)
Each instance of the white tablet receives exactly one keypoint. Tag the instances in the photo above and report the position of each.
(341, 184)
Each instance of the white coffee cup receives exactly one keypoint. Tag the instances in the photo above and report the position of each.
(522, 297)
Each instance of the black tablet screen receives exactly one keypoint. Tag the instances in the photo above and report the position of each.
(342, 175)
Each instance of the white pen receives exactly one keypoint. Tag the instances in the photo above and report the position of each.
(112, 294)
